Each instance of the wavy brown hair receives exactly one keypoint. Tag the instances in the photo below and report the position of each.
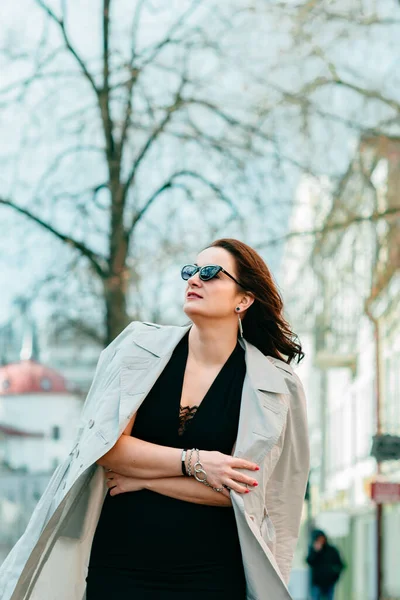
(264, 325)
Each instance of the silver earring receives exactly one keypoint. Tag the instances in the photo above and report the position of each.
(240, 323)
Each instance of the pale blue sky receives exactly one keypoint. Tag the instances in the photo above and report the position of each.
(26, 254)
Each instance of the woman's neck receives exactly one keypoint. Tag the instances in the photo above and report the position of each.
(212, 344)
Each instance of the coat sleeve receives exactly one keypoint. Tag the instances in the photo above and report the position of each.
(105, 358)
(13, 565)
(286, 486)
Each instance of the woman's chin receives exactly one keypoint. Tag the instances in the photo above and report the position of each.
(190, 309)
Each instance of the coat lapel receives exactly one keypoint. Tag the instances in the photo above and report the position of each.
(159, 340)
(263, 408)
(142, 363)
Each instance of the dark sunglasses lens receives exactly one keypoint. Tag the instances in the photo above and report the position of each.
(208, 272)
(188, 271)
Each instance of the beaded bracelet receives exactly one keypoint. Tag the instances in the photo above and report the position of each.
(189, 469)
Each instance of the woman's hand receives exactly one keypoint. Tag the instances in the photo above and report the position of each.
(224, 470)
(119, 484)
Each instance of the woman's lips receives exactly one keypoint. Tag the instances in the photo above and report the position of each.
(192, 296)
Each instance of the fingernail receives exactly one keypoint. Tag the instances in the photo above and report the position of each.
(255, 483)
(257, 468)
(247, 492)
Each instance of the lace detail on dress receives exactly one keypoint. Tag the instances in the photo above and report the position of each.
(186, 414)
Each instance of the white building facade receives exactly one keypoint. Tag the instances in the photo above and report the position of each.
(342, 295)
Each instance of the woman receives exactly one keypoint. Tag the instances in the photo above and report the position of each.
(202, 434)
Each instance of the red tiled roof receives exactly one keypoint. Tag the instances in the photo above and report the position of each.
(30, 377)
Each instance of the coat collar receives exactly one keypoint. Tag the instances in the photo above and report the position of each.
(162, 340)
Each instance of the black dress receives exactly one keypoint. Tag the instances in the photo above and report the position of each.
(148, 546)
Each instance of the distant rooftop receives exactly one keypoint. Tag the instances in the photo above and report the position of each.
(31, 377)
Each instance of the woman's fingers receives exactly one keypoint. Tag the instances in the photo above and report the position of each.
(219, 467)
(236, 487)
(112, 486)
(240, 477)
(110, 479)
(236, 472)
(241, 463)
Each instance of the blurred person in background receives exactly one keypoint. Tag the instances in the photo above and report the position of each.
(326, 566)
(189, 470)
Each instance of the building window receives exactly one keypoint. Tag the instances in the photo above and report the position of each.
(45, 384)
(56, 432)
(5, 384)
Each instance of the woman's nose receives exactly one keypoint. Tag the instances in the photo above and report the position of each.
(195, 279)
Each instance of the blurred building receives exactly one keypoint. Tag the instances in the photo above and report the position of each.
(39, 413)
(342, 295)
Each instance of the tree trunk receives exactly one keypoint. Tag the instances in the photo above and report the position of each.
(116, 314)
(117, 283)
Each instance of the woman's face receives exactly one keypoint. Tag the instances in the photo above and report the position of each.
(219, 297)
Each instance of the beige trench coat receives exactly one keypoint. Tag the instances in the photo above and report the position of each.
(50, 560)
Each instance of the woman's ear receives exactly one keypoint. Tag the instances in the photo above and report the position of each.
(246, 301)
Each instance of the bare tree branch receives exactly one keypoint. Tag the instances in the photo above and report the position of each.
(171, 183)
(169, 37)
(78, 58)
(80, 327)
(95, 259)
(54, 165)
(104, 93)
(135, 70)
(337, 226)
(365, 92)
(252, 130)
(135, 28)
(25, 82)
(302, 100)
(154, 135)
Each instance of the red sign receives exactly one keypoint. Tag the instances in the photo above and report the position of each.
(385, 492)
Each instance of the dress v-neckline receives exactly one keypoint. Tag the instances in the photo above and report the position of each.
(192, 411)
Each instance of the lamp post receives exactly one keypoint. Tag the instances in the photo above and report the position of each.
(310, 526)
(379, 506)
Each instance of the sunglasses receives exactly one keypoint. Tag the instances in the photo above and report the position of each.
(205, 273)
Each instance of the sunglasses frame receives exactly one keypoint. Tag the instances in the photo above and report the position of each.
(198, 270)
